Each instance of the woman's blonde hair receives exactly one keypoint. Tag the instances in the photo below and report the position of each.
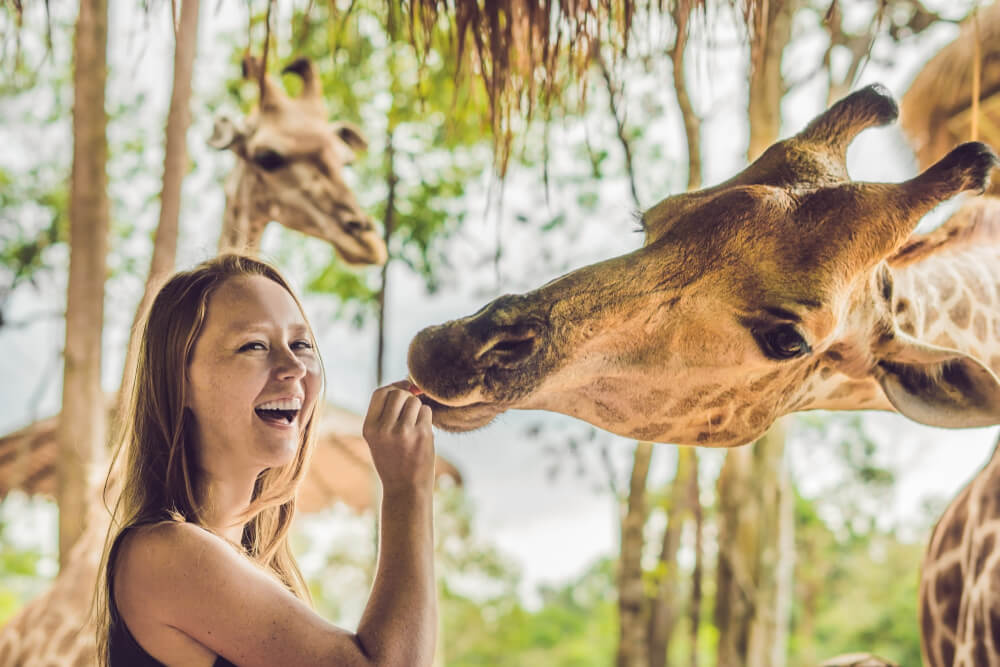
(156, 449)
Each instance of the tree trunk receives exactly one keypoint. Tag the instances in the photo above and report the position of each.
(775, 552)
(81, 431)
(753, 602)
(175, 164)
(666, 608)
(767, 86)
(632, 629)
(694, 612)
(388, 223)
(681, 13)
(755, 508)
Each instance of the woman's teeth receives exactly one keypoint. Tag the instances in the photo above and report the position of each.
(283, 411)
(284, 404)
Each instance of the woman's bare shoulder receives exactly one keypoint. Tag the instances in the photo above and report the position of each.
(166, 535)
(168, 557)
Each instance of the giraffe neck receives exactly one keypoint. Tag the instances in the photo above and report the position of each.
(243, 220)
(950, 299)
(958, 607)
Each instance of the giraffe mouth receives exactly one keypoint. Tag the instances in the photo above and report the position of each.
(461, 418)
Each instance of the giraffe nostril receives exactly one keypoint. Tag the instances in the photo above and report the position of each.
(509, 348)
(357, 225)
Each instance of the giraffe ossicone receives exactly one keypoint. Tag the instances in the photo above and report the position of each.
(788, 287)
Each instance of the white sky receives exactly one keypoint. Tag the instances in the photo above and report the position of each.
(553, 528)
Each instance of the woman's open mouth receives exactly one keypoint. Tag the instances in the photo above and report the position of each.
(279, 413)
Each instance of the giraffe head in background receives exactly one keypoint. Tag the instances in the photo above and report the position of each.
(290, 169)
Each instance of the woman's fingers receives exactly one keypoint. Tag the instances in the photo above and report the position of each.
(394, 402)
(411, 410)
(425, 416)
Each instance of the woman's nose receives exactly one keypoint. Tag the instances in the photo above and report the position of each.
(289, 365)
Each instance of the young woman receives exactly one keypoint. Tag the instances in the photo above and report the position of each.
(198, 569)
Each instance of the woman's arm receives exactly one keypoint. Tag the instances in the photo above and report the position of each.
(399, 624)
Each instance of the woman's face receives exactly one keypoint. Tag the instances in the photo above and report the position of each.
(253, 378)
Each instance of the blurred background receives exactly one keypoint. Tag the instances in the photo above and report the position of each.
(546, 526)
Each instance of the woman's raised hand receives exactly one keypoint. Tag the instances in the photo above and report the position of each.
(398, 431)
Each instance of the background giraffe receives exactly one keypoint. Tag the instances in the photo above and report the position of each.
(289, 160)
(960, 581)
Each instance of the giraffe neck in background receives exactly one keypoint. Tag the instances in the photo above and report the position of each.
(952, 299)
(241, 223)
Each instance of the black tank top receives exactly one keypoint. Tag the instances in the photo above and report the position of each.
(125, 651)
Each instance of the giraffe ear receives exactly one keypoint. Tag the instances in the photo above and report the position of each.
(227, 132)
(938, 386)
(352, 137)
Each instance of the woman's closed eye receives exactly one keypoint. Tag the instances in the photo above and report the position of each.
(259, 346)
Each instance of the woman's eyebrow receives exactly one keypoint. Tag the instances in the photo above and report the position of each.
(240, 326)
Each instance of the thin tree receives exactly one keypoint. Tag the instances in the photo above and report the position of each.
(753, 584)
(81, 431)
(175, 164)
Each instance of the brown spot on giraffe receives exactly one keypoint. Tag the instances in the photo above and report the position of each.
(983, 552)
(952, 533)
(947, 651)
(980, 291)
(961, 311)
(948, 583)
(725, 398)
(609, 412)
(979, 326)
(68, 639)
(995, 626)
(764, 382)
(948, 286)
(683, 407)
(944, 339)
(650, 431)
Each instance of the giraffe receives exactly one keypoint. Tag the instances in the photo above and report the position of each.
(288, 170)
(959, 609)
(289, 164)
(788, 287)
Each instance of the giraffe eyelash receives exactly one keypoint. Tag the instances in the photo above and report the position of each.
(640, 220)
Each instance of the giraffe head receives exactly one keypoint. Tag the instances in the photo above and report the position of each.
(742, 295)
(294, 158)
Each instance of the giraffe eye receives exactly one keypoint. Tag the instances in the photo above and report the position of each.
(269, 160)
(783, 342)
